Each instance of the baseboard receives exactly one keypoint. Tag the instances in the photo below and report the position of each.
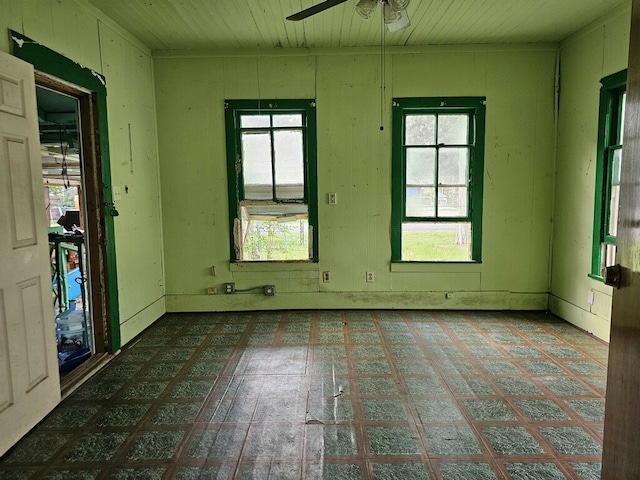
(132, 326)
(583, 319)
(356, 300)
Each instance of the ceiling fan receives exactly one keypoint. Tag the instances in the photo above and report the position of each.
(394, 12)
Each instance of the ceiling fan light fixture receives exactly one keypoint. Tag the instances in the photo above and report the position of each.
(365, 8)
(396, 21)
(398, 5)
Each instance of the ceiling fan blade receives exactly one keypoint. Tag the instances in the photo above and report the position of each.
(320, 7)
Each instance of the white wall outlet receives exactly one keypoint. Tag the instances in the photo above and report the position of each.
(332, 198)
(326, 276)
(591, 296)
(370, 277)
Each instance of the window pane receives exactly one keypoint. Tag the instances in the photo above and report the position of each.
(275, 232)
(453, 129)
(436, 242)
(253, 121)
(421, 166)
(420, 202)
(452, 167)
(288, 120)
(452, 201)
(420, 130)
(256, 166)
(289, 161)
(614, 199)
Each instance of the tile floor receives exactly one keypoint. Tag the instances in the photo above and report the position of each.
(332, 394)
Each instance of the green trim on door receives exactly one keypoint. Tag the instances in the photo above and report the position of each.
(50, 62)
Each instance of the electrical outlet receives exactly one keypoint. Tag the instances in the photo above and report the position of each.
(229, 288)
(370, 277)
(212, 291)
(326, 277)
(269, 290)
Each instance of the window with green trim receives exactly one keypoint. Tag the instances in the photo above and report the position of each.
(607, 197)
(271, 168)
(438, 157)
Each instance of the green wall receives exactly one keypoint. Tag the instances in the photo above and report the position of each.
(591, 54)
(80, 32)
(354, 160)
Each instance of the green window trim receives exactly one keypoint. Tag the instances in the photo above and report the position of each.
(610, 123)
(234, 110)
(475, 107)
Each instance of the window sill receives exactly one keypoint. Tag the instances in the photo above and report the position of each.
(436, 267)
(596, 277)
(273, 266)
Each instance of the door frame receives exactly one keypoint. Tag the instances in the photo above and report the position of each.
(54, 69)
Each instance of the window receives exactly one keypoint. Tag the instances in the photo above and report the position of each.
(438, 155)
(271, 165)
(610, 139)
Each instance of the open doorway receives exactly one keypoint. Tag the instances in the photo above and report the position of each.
(73, 198)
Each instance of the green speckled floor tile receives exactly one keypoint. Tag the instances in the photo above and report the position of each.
(587, 471)
(219, 442)
(377, 386)
(355, 394)
(515, 386)
(176, 413)
(490, 410)
(537, 471)
(452, 440)
(571, 440)
(137, 474)
(542, 367)
(591, 410)
(72, 417)
(392, 441)
(72, 475)
(155, 445)
(565, 386)
(123, 415)
(425, 386)
(95, 447)
(470, 386)
(384, 411)
(467, 471)
(395, 471)
(541, 410)
(219, 472)
(437, 410)
(367, 351)
(368, 367)
(512, 441)
(330, 440)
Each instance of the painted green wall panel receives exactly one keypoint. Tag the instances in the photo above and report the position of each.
(587, 57)
(354, 161)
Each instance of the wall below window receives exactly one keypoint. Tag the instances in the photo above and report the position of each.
(354, 160)
(595, 52)
(80, 32)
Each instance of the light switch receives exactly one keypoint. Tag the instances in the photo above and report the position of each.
(333, 198)
(116, 193)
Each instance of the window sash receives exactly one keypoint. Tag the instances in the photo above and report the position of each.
(403, 213)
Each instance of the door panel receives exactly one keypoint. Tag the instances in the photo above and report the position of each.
(29, 379)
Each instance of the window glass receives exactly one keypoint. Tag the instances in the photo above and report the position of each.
(453, 129)
(256, 166)
(289, 164)
(420, 130)
(253, 121)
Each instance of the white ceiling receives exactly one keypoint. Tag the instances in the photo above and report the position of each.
(231, 24)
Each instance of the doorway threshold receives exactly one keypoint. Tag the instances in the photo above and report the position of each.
(71, 382)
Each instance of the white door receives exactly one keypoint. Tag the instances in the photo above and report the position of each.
(29, 380)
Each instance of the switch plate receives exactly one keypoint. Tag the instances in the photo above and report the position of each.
(591, 296)
(116, 193)
(332, 198)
